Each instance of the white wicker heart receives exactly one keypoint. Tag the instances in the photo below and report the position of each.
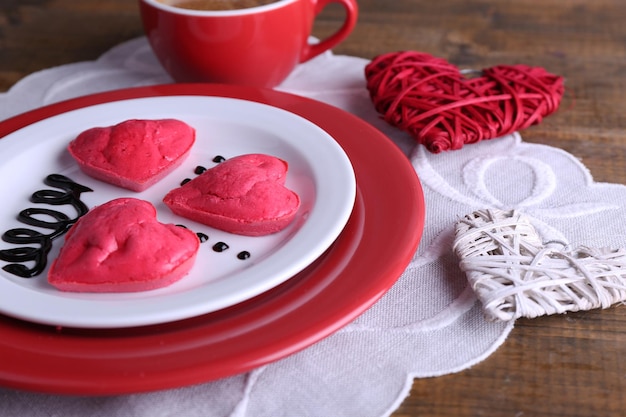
(515, 275)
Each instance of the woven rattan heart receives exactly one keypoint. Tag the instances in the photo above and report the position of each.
(514, 275)
(444, 109)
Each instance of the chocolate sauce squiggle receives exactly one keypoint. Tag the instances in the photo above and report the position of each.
(59, 225)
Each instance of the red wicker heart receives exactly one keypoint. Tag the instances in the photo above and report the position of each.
(444, 109)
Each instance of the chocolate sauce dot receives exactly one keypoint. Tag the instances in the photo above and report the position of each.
(181, 225)
(218, 159)
(185, 181)
(243, 255)
(199, 170)
(202, 236)
(220, 247)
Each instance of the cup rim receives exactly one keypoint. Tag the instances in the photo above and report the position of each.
(237, 12)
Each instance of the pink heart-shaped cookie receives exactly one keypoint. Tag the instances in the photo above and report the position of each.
(120, 246)
(245, 195)
(134, 154)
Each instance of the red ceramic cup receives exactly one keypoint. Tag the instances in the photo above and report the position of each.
(257, 46)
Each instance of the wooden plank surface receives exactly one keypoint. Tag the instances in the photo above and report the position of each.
(552, 366)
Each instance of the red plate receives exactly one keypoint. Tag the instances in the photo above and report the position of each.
(365, 261)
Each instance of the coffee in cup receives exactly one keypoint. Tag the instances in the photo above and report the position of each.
(217, 4)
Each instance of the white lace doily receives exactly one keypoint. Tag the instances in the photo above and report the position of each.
(429, 324)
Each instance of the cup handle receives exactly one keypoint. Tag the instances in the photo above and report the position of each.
(312, 50)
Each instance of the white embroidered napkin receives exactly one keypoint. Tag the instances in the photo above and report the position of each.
(430, 323)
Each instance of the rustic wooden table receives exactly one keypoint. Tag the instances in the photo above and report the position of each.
(552, 366)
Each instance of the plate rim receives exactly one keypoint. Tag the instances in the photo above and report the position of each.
(120, 359)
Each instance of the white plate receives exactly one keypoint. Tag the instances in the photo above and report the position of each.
(319, 171)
